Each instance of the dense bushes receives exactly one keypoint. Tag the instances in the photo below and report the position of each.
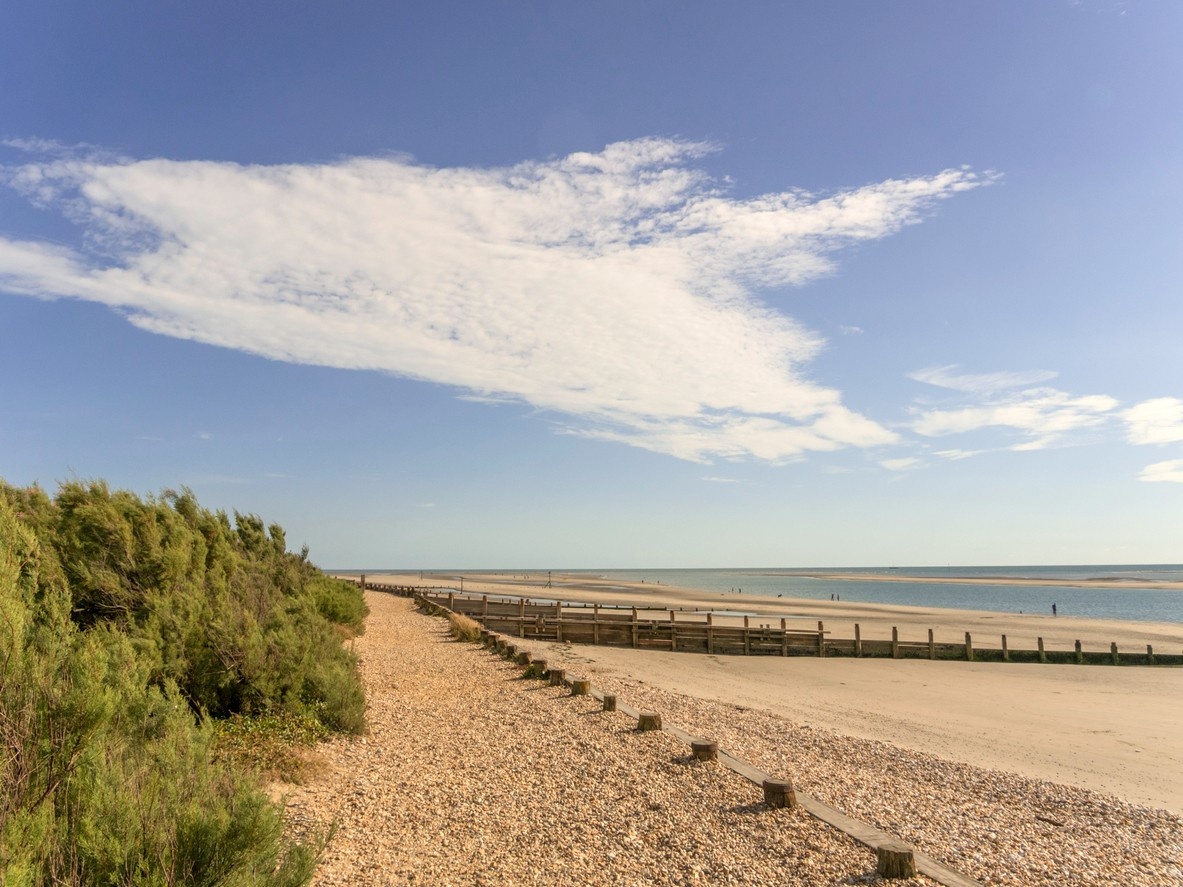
(125, 625)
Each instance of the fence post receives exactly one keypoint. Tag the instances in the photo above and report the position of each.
(596, 624)
(1079, 654)
(673, 634)
(1113, 653)
(559, 621)
(747, 638)
(710, 634)
(858, 641)
(1005, 652)
(1149, 654)
(932, 647)
(969, 648)
(784, 638)
(636, 640)
(1042, 654)
(484, 608)
(895, 643)
(363, 582)
(452, 601)
(821, 639)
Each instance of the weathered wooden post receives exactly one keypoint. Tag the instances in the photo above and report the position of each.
(895, 643)
(932, 647)
(558, 677)
(580, 686)
(649, 720)
(1042, 653)
(821, 639)
(596, 624)
(559, 621)
(705, 750)
(895, 860)
(524, 658)
(1150, 654)
(636, 640)
(484, 607)
(536, 669)
(710, 634)
(969, 648)
(1005, 652)
(747, 637)
(858, 641)
(779, 793)
(784, 637)
(609, 702)
(1113, 653)
(363, 582)
(673, 634)
(522, 616)
(1079, 654)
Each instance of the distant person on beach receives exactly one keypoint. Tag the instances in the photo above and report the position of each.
(1053, 609)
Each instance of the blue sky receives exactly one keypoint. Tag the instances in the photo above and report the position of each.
(606, 284)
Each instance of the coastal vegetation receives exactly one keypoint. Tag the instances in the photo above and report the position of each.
(141, 639)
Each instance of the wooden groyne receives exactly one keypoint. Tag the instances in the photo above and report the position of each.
(692, 631)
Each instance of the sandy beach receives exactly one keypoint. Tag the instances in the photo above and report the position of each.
(1117, 730)
(472, 775)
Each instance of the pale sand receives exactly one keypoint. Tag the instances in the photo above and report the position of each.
(1117, 730)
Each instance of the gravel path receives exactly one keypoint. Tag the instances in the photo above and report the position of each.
(472, 775)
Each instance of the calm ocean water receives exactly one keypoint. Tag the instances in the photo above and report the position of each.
(1141, 604)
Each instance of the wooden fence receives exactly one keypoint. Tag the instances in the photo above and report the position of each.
(692, 631)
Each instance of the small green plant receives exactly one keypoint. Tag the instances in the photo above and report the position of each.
(277, 747)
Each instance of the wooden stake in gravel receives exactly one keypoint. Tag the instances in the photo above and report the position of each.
(649, 720)
(779, 793)
(609, 702)
(524, 658)
(558, 677)
(580, 686)
(705, 750)
(895, 860)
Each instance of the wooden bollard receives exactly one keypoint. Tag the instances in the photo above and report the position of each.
(536, 669)
(895, 643)
(1079, 654)
(932, 647)
(895, 860)
(969, 648)
(510, 651)
(779, 793)
(1042, 652)
(609, 702)
(558, 677)
(1005, 651)
(1113, 653)
(1150, 654)
(524, 657)
(580, 686)
(705, 750)
(649, 720)
(858, 639)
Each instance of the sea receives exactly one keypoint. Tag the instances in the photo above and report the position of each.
(1101, 602)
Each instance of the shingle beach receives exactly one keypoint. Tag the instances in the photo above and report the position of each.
(472, 775)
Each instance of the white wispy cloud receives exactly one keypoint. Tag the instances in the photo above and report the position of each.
(902, 464)
(615, 288)
(980, 383)
(1043, 415)
(1170, 471)
(1155, 421)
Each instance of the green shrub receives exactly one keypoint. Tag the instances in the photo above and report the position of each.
(124, 625)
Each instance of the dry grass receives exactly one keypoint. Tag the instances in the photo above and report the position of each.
(463, 628)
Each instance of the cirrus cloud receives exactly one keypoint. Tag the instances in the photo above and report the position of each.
(614, 288)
